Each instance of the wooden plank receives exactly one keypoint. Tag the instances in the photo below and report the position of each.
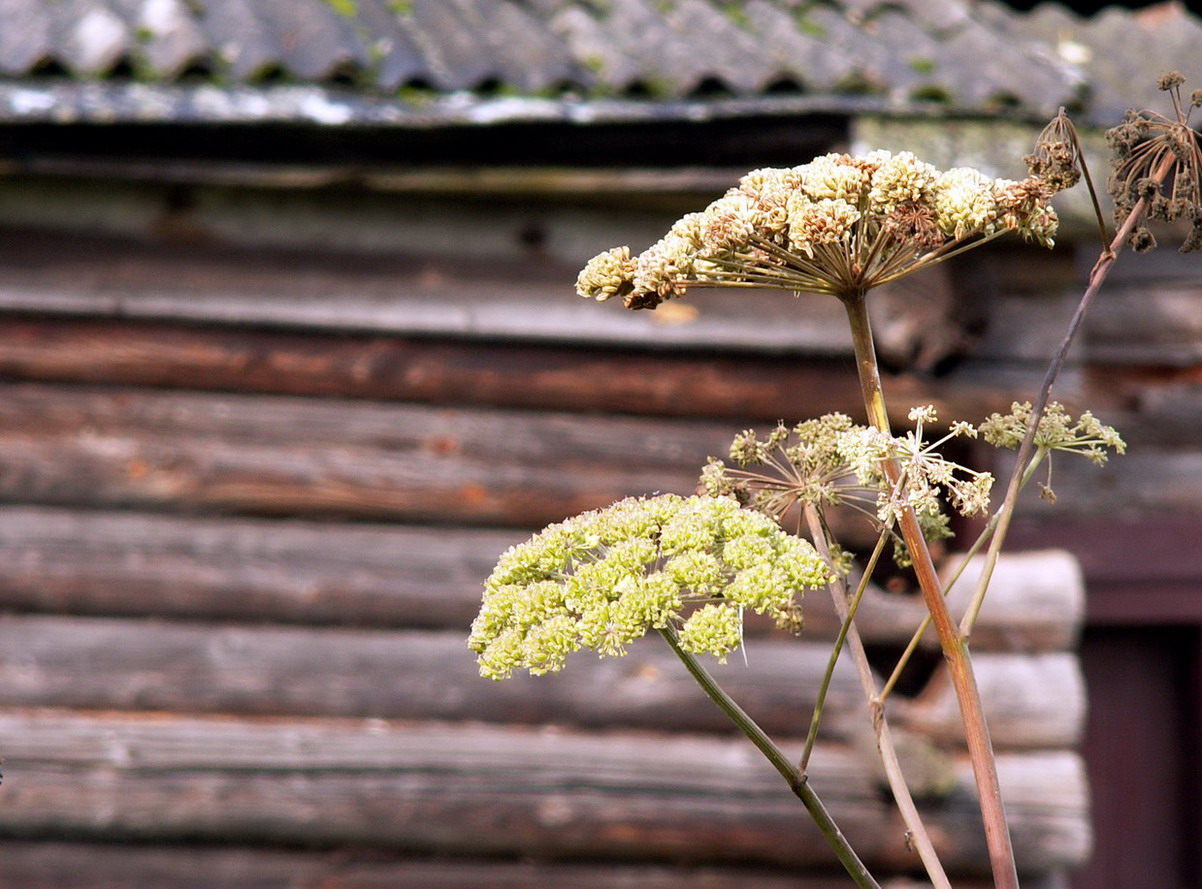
(125, 563)
(1147, 322)
(1148, 479)
(1034, 701)
(287, 456)
(692, 186)
(76, 865)
(506, 293)
(765, 387)
(465, 789)
(1146, 817)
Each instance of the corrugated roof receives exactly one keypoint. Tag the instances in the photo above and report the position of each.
(425, 61)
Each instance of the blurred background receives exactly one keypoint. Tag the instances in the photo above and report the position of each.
(290, 353)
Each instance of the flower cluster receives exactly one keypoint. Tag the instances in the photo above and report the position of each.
(604, 578)
(832, 461)
(1056, 159)
(803, 464)
(1057, 431)
(838, 225)
(926, 474)
(1158, 167)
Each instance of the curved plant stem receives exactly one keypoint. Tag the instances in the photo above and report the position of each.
(1096, 278)
(884, 738)
(955, 647)
(793, 777)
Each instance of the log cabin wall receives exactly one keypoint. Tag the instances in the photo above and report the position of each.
(260, 448)
(285, 367)
(262, 444)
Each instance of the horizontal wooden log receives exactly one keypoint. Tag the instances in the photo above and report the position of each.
(466, 789)
(1147, 321)
(76, 865)
(1147, 479)
(505, 295)
(455, 372)
(1032, 701)
(277, 455)
(226, 568)
(116, 563)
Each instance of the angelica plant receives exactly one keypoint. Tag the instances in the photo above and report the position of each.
(604, 578)
(689, 568)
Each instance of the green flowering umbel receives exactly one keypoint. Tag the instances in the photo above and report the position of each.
(602, 579)
(1057, 431)
(837, 225)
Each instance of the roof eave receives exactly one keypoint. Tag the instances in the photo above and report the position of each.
(100, 103)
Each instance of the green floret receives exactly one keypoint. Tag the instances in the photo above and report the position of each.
(603, 579)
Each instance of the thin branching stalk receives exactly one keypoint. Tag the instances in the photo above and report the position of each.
(955, 648)
(1096, 278)
(793, 777)
(884, 738)
(838, 590)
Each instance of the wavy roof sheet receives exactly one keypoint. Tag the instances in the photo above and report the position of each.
(421, 62)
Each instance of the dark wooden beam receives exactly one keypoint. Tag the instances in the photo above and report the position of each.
(687, 383)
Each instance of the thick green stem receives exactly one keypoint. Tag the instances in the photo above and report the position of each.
(793, 777)
(955, 647)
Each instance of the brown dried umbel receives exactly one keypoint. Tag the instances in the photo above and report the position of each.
(1158, 167)
(1057, 156)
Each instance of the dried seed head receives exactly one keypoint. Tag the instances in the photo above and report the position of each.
(1056, 159)
(1193, 241)
(1142, 240)
(1157, 166)
(1169, 81)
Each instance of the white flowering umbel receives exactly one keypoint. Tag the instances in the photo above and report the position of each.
(604, 578)
(837, 225)
(832, 461)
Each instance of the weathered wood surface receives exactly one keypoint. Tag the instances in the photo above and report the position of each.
(1152, 404)
(126, 563)
(505, 296)
(284, 455)
(487, 790)
(78, 865)
(1147, 479)
(461, 373)
(1152, 313)
(98, 664)
(86, 562)
(501, 293)
(279, 455)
